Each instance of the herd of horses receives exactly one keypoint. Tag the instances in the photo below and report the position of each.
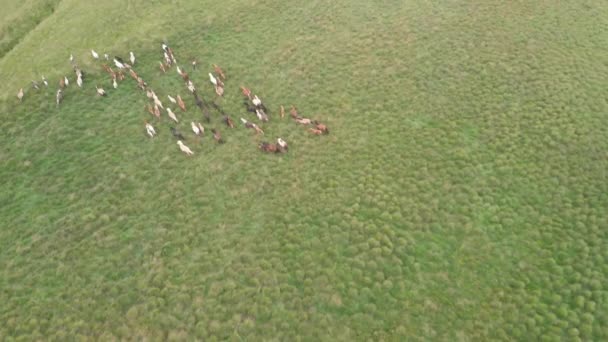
(155, 107)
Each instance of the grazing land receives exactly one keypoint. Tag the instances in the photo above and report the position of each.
(462, 193)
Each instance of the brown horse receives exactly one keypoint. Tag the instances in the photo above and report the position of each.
(261, 114)
(303, 121)
(293, 112)
(181, 103)
(282, 145)
(321, 127)
(217, 136)
(219, 72)
(268, 147)
(228, 121)
(246, 92)
(257, 128)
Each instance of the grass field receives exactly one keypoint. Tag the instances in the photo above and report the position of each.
(461, 195)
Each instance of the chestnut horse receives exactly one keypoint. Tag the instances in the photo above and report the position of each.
(268, 147)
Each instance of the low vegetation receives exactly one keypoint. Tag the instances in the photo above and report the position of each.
(461, 194)
(20, 18)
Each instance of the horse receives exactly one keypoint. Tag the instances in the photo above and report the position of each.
(268, 147)
(282, 144)
(304, 121)
(228, 121)
(246, 92)
(250, 108)
(321, 127)
(219, 71)
(150, 109)
(315, 131)
(262, 116)
(199, 103)
(176, 134)
(293, 112)
(219, 90)
(181, 103)
(217, 136)
(218, 108)
(206, 115)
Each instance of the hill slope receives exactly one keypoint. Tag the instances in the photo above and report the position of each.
(461, 193)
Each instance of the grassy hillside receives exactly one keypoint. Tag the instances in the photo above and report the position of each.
(19, 18)
(461, 195)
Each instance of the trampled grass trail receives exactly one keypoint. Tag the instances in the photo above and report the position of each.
(461, 193)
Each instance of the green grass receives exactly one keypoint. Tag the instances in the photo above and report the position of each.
(461, 195)
(19, 18)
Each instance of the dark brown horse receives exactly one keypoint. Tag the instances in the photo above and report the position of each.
(206, 114)
(199, 102)
(141, 83)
